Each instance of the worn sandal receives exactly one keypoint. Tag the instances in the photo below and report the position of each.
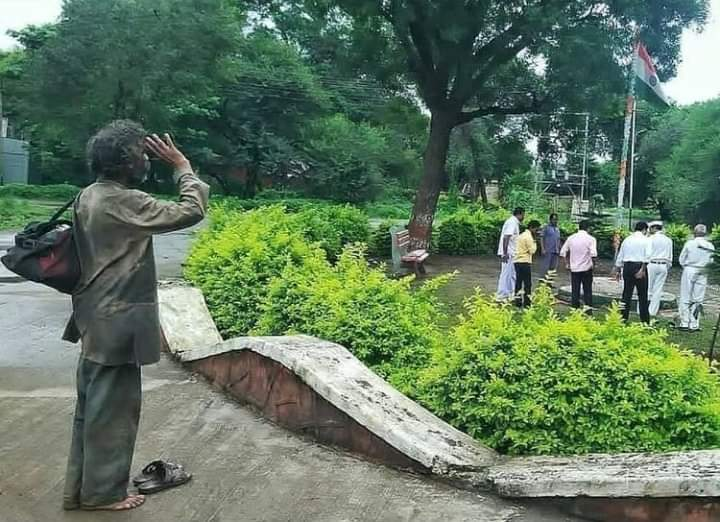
(148, 472)
(166, 475)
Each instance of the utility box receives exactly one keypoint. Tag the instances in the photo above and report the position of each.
(14, 161)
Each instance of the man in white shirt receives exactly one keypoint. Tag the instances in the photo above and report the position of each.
(695, 256)
(506, 252)
(661, 258)
(632, 259)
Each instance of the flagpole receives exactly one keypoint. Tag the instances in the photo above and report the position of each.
(632, 162)
(629, 108)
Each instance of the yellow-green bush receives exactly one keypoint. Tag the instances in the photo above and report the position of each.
(260, 273)
(382, 321)
(233, 264)
(540, 384)
(523, 384)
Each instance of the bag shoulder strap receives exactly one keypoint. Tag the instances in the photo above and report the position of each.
(62, 210)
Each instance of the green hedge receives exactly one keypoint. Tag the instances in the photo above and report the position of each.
(384, 323)
(534, 384)
(470, 233)
(475, 231)
(63, 192)
(545, 385)
(261, 273)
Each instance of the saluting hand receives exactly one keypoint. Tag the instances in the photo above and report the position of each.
(166, 150)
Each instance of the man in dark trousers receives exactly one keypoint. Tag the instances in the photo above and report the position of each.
(525, 248)
(115, 306)
(632, 260)
(579, 252)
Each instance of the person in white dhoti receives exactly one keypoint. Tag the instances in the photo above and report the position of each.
(661, 258)
(506, 251)
(696, 255)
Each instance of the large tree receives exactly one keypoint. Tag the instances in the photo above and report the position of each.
(474, 58)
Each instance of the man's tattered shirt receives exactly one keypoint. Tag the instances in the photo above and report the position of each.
(115, 306)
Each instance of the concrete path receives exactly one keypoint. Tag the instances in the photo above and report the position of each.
(245, 468)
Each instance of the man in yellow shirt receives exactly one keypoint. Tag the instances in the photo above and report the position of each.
(526, 247)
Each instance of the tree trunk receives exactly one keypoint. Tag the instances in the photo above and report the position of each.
(441, 124)
(475, 153)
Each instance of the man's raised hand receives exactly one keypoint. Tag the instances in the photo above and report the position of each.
(166, 150)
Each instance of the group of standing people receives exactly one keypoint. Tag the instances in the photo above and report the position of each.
(643, 261)
(516, 251)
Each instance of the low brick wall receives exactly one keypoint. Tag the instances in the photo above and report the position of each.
(284, 399)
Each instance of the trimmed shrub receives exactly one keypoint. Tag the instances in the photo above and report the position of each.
(63, 192)
(333, 227)
(380, 320)
(380, 242)
(679, 233)
(544, 385)
(234, 263)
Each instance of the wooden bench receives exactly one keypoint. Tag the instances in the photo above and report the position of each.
(416, 258)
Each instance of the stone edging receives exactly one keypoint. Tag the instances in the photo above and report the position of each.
(338, 377)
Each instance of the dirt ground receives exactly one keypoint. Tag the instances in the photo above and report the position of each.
(482, 272)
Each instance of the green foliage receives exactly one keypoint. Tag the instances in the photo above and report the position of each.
(376, 318)
(544, 385)
(470, 233)
(686, 160)
(347, 158)
(475, 231)
(380, 242)
(233, 264)
(333, 226)
(604, 235)
(248, 107)
(63, 192)
(680, 233)
(260, 273)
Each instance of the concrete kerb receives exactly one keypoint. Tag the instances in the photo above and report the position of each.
(338, 377)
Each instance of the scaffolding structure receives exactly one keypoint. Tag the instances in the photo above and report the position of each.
(567, 174)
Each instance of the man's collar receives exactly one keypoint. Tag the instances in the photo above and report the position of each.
(112, 182)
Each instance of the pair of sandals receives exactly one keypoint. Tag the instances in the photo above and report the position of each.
(160, 475)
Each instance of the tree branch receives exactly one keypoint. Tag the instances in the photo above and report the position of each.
(534, 107)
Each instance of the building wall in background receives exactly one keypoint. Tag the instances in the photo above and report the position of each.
(14, 160)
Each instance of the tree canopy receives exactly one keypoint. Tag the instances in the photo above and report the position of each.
(478, 58)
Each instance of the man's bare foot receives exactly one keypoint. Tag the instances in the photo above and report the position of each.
(131, 502)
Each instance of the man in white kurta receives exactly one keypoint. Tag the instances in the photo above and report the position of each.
(661, 258)
(696, 255)
(506, 252)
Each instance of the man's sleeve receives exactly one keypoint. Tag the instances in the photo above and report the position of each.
(148, 215)
(593, 248)
(683, 255)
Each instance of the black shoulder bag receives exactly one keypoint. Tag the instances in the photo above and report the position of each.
(46, 253)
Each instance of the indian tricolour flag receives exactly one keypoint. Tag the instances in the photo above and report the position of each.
(645, 70)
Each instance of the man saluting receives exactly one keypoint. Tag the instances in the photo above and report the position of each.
(115, 307)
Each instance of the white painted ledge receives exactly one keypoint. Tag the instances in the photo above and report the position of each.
(342, 380)
(185, 318)
(337, 376)
(656, 475)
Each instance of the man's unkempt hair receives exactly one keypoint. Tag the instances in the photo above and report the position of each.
(110, 152)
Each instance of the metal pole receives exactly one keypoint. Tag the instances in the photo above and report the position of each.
(585, 158)
(632, 162)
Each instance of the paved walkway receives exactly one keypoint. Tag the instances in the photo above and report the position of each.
(245, 468)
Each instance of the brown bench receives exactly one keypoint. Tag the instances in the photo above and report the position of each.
(416, 258)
